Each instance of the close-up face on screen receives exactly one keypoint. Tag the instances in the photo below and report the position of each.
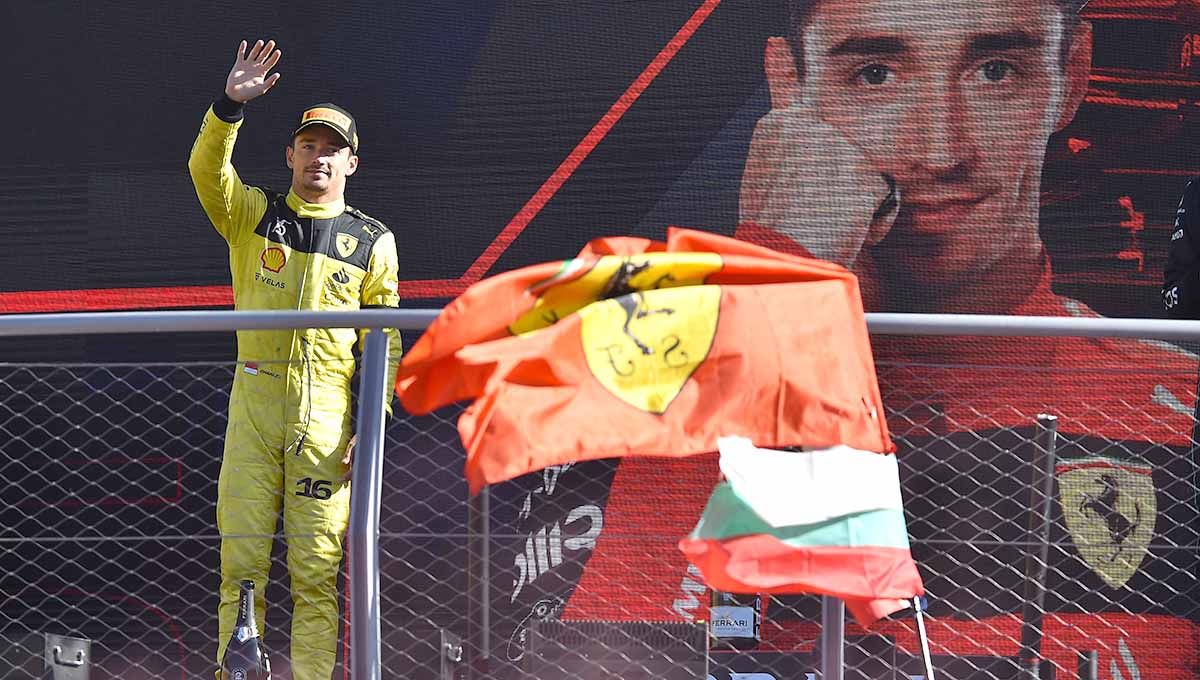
(955, 102)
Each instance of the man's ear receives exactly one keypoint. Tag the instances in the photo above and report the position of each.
(1078, 69)
(352, 165)
(287, 152)
(780, 66)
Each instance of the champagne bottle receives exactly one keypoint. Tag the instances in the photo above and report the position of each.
(735, 620)
(245, 658)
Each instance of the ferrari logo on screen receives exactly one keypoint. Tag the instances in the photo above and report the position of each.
(582, 281)
(643, 347)
(1110, 508)
(346, 245)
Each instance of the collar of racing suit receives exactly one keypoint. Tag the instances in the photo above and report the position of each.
(1042, 300)
(320, 211)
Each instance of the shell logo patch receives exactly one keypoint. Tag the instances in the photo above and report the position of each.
(273, 259)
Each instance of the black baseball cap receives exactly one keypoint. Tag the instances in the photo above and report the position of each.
(331, 116)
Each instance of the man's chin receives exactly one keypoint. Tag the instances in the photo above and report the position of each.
(916, 258)
(948, 219)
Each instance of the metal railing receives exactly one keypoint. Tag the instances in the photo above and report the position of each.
(109, 534)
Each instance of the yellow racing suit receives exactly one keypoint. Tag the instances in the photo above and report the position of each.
(290, 406)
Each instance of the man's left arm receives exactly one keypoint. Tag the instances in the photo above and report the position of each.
(379, 292)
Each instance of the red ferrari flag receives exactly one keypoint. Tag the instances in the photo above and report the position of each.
(534, 297)
(650, 349)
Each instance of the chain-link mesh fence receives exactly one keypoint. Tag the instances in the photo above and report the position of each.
(109, 533)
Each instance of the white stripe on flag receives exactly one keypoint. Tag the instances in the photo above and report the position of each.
(788, 488)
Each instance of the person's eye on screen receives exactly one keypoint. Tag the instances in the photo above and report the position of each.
(874, 75)
(997, 70)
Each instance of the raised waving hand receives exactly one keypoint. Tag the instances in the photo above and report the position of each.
(251, 75)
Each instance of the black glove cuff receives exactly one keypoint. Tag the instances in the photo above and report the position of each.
(227, 109)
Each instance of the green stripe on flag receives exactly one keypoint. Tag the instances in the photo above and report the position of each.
(728, 516)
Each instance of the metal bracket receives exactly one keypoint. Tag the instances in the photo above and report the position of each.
(451, 654)
(68, 658)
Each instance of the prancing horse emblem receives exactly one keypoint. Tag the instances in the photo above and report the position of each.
(346, 244)
(644, 338)
(1104, 504)
(1110, 509)
(630, 299)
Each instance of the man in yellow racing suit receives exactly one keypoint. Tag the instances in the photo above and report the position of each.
(288, 444)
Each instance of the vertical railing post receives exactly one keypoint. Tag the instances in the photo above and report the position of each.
(833, 637)
(485, 573)
(1037, 555)
(1089, 665)
(479, 616)
(363, 536)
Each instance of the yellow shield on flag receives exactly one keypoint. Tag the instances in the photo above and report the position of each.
(346, 244)
(1110, 509)
(644, 346)
(582, 281)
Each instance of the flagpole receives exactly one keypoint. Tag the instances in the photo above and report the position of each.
(924, 640)
(833, 637)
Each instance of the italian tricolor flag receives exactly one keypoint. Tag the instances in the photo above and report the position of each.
(828, 521)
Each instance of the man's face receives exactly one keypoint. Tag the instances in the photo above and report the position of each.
(320, 161)
(956, 101)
